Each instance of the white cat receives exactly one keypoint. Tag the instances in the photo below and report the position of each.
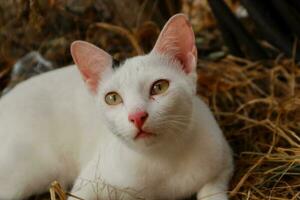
(136, 132)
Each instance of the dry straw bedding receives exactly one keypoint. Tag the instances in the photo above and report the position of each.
(258, 107)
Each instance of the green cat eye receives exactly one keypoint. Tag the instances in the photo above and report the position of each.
(159, 87)
(113, 98)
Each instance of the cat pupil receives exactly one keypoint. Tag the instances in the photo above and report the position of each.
(159, 86)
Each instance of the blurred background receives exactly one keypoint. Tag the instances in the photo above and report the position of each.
(248, 70)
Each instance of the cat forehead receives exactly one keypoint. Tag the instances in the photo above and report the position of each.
(144, 64)
(142, 69)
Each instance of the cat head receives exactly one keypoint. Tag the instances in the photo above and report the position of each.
(148, 100)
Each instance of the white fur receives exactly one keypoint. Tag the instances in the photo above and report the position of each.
(52, 128)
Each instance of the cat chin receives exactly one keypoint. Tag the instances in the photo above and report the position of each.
(146, 144)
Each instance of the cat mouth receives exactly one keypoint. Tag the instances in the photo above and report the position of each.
(143, 134)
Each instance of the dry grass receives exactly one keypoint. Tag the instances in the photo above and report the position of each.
(258, 107)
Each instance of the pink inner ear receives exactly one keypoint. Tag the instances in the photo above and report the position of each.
(90, 78)
(178, 41)
(91, 62)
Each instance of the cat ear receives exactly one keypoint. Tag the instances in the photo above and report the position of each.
(177, 40)
(91, 62)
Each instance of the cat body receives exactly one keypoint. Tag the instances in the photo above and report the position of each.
(135, 132)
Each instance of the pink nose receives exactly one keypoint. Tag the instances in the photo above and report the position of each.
(138, 118)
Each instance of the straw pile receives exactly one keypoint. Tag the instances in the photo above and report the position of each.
(258, 107)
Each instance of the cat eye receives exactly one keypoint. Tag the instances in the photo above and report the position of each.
(113, 98)
(159, 87)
